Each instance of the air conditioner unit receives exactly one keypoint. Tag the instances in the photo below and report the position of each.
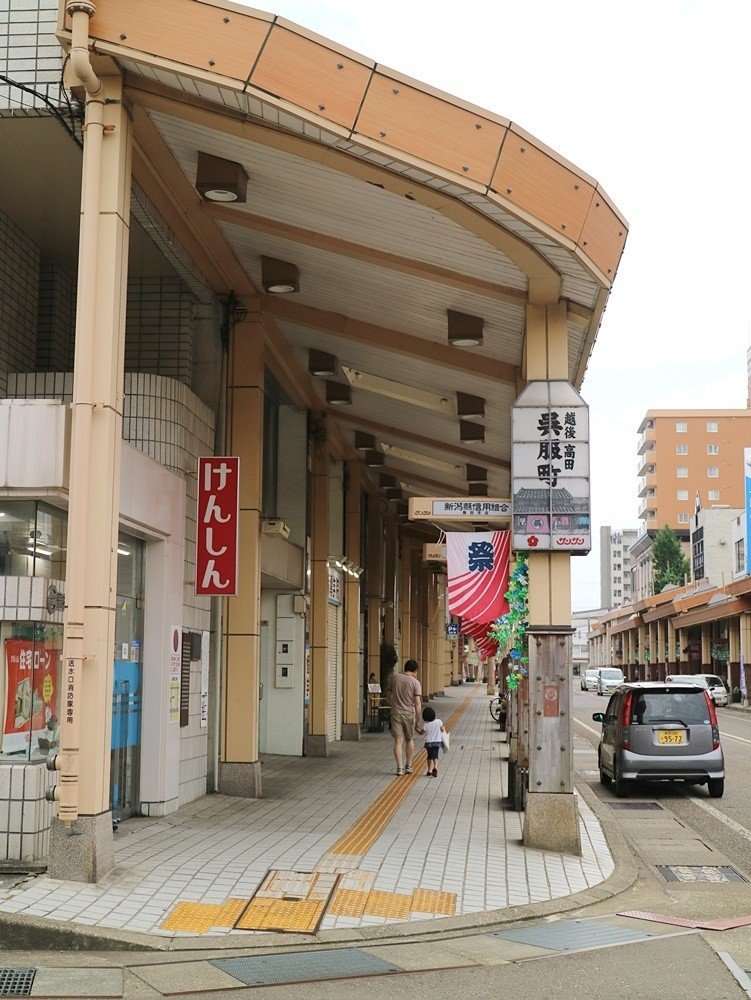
(275, 526)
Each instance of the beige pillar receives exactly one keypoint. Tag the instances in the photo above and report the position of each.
(405, 605)
(551, 820)
(745, 649)
(239, 765)
(389, 580)
(352, 663)
(374, 580)
(81, 841)
(706, 646)
(682, 650)
(316, 740)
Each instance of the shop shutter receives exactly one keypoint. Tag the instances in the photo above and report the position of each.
(334, 693)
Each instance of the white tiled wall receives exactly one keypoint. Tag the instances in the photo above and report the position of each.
(29, 52)
(24, 813)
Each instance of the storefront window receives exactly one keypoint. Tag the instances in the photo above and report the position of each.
(32, 539)
(32, 656)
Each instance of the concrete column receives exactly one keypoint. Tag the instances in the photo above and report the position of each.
(745, 651)
(405, 604)
(81, 834)
(734, 649)
(316, 742)
(682, 651)
(551, 820)
(239, 766)
(706, 647)
(352, 664)
(374, 580)
(389, 580)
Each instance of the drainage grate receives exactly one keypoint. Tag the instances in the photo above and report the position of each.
(699, 873)
(302, 967)
(16, 982)
(635, 805)
(573, 935)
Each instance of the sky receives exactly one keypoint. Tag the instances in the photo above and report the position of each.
(651, 97)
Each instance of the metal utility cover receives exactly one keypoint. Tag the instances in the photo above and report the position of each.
(635, 805)
(302, 967)
(573, 935)
(16, 982)
(699, 873)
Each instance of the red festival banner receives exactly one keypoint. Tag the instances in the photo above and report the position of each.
(217, 526)
(478, 574)
(30, 692)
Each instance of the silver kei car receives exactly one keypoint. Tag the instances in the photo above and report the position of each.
(608, 679)
(660, 731)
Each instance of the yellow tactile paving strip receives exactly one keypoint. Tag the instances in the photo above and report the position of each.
(398, 906)
(199, 918)
(295, 915)
(363, 834)
(430, 901)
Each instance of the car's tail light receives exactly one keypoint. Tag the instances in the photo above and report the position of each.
(626, 722)
(713, 721)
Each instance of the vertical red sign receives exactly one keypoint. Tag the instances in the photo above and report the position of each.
(216, 526)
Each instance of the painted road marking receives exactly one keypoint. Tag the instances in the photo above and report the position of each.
(595, 732)
(729, 736)
(731, 823)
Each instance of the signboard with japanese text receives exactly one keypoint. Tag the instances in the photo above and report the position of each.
(335, 587)
(205, 639)
(30, 693)
(550, 469)
(175, 663)
(747, 482)
(458, 509)
(217, 526)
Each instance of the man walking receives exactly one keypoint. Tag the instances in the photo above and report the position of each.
(405, 699)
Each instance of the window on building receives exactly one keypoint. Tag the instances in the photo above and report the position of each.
(712, 427)
(740, 556)
(713, 472)
(681, 449)
(713, 449)
(682, 472)
(682, 494)
(683, 518)
(681, 427)
(713, 495)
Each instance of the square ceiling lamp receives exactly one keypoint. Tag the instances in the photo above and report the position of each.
(468, 405)
(476, 474)
(365, 442)
(469, 431)
(373, 459)
(220, 180)
(338, 394)
(321, 363)
(464, 330)
(386, 481)
(478, 489)
(279, 277)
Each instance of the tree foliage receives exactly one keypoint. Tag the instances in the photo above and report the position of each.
(669, 565)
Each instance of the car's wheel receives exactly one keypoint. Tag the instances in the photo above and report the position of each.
(620, 787)
(604, 778)
(716, 787)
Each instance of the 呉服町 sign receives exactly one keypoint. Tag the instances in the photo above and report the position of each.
(217, 526)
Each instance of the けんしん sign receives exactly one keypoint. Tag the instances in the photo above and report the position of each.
(217, 526)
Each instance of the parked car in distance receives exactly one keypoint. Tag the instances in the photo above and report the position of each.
(608, 679)
(661, 731)
(711, 682)
(589, 680)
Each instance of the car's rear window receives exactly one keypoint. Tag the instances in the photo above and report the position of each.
(611, 675)
(689, 707)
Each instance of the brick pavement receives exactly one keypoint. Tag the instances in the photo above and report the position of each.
(448, 847)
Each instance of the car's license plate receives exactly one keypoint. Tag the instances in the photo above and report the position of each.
(671, 736)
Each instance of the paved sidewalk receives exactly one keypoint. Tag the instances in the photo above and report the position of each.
(335, 843)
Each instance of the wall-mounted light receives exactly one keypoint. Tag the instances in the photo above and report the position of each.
(279, 277)
(338, 394)
(464, 330)
(220, 180)
(469, 431)
(468, 405)
(321, 363)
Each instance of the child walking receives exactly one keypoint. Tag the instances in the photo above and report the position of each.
(433, 730)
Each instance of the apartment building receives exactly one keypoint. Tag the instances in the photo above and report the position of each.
(616, 565)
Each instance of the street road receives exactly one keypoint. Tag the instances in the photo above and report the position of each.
(726, 821)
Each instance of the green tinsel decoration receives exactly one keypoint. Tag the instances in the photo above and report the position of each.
(510, 630)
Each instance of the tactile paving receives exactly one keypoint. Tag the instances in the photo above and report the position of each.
(573, 935)
(301, 967)
(431, 901)
(388, 904)
(294, 915)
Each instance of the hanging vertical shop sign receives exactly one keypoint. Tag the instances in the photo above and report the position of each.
(478, 567)
(550, 469)
(217, 525)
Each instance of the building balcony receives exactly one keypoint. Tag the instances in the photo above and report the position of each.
(646, 464)
(648, 482)
(646, 440)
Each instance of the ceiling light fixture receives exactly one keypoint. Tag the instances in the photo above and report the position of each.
(478, 489)
(373, 459)
(39, 551)
(476, 474)
(279, 277)
(220, 180)
(464, 330)
(399, 390)
(468, 405)
(364, 442)
(469, 431)
(321, 363)
(122, 551)
(338, 394)
(432, 463)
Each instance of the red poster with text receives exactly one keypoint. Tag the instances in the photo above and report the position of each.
(217, 526)
(31, 692)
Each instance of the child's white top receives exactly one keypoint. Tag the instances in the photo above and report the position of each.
(433, 731)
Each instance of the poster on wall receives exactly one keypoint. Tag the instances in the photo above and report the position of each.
(30, 694)
(175, 663)
(205, 636)
(550, 469)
